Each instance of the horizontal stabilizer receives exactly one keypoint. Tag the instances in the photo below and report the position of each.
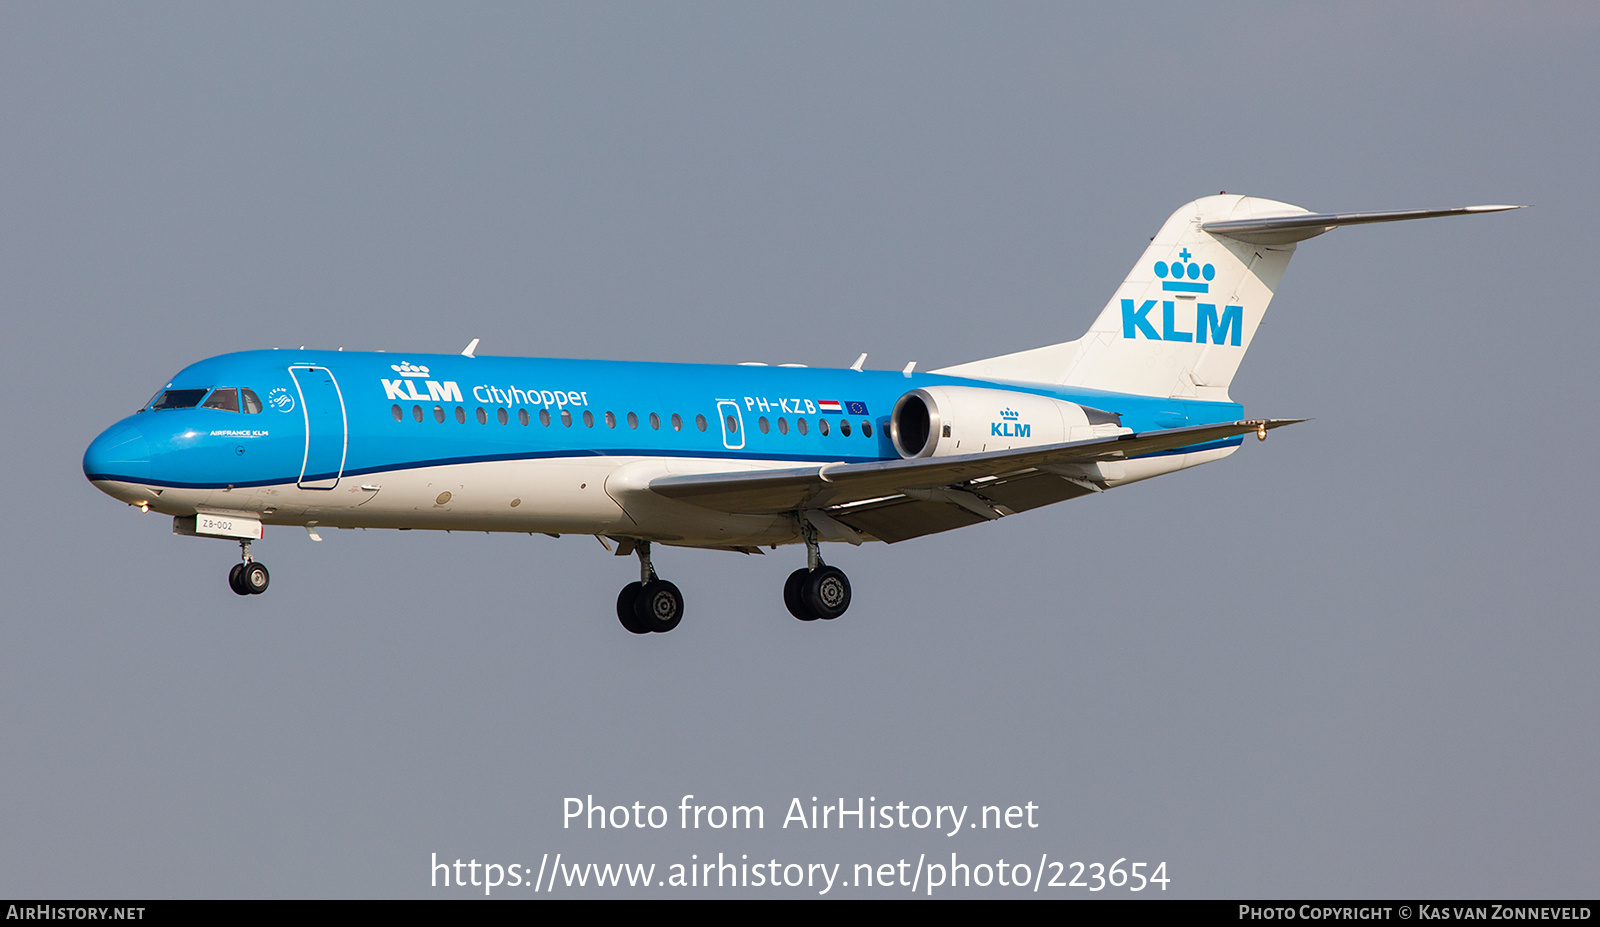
(1281, 230)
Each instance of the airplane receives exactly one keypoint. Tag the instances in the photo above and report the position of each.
(727, 457)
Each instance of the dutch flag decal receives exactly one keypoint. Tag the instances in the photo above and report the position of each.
(830, 405)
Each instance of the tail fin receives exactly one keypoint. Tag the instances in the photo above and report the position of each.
(1180, 323)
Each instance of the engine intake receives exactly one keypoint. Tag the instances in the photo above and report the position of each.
(938, 421)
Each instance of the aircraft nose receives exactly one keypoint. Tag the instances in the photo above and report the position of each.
(120, 453)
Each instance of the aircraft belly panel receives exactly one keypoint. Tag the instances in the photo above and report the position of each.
(561, 494)
(556, 496)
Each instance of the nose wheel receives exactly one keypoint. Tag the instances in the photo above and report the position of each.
(248, 577)
(651, 605)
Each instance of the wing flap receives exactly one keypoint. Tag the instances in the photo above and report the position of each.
(835, 484)
(907, 519)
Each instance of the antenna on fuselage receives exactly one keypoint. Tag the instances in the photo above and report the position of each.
(471, 346)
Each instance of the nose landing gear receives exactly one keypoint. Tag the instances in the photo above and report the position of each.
(652, 604)
(248, 577)
(818, 590)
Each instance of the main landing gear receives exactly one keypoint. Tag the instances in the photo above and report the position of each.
(652, 603)
(248, 577)
(819, 590)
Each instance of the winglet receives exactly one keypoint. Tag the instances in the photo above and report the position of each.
(471, 346)
(859, 362)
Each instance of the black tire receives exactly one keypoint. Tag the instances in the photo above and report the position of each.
(233, 580)
(253, 578)
(826, 592)
(625, 603)
(791, 595)
(659, 607)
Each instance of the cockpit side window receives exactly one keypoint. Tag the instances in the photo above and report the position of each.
(225, 399)
(177, 399)
(252, 402)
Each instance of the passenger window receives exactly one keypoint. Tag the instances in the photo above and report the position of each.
(611, 419)
(566, 417)
(733, 425)
(677, 422)
(177, 399)
(438, 413)
(783, 426)
(544, 417)
(416, 413)
(633, 420)
(483, 417)
(503, 416)
(761, 423)
(844, 427)
(252, 402)
(398, 413)
(800, 425)
(822, 426)
(225, 400)
(588, 419)
(700, 422)
(866, 428)
(522, 416)
(655, 422)
(461, 416)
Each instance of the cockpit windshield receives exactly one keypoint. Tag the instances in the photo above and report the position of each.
(177, 399)
(223, 399)
(226, 400)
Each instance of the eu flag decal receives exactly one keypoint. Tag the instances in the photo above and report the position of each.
(855, 408)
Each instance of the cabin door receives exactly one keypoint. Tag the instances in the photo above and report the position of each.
(327, 430)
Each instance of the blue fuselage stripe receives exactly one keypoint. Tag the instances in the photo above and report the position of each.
(209, 448)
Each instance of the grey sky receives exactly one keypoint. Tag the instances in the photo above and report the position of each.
(1355, 660)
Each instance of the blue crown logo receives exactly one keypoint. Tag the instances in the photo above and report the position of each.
(1185, 276)
(1009, 415)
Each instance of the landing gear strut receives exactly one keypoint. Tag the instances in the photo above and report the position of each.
(247, 576)
(652, 604)
(819, 590)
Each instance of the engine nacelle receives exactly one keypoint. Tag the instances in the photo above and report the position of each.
(938, 421)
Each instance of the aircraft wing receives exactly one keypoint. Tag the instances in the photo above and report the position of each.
(893, 500)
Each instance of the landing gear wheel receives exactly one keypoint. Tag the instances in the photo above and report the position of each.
(253, 577)
(659, 606)
(233, 579)
(625, 604)
(826, 592)
(791, 595)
